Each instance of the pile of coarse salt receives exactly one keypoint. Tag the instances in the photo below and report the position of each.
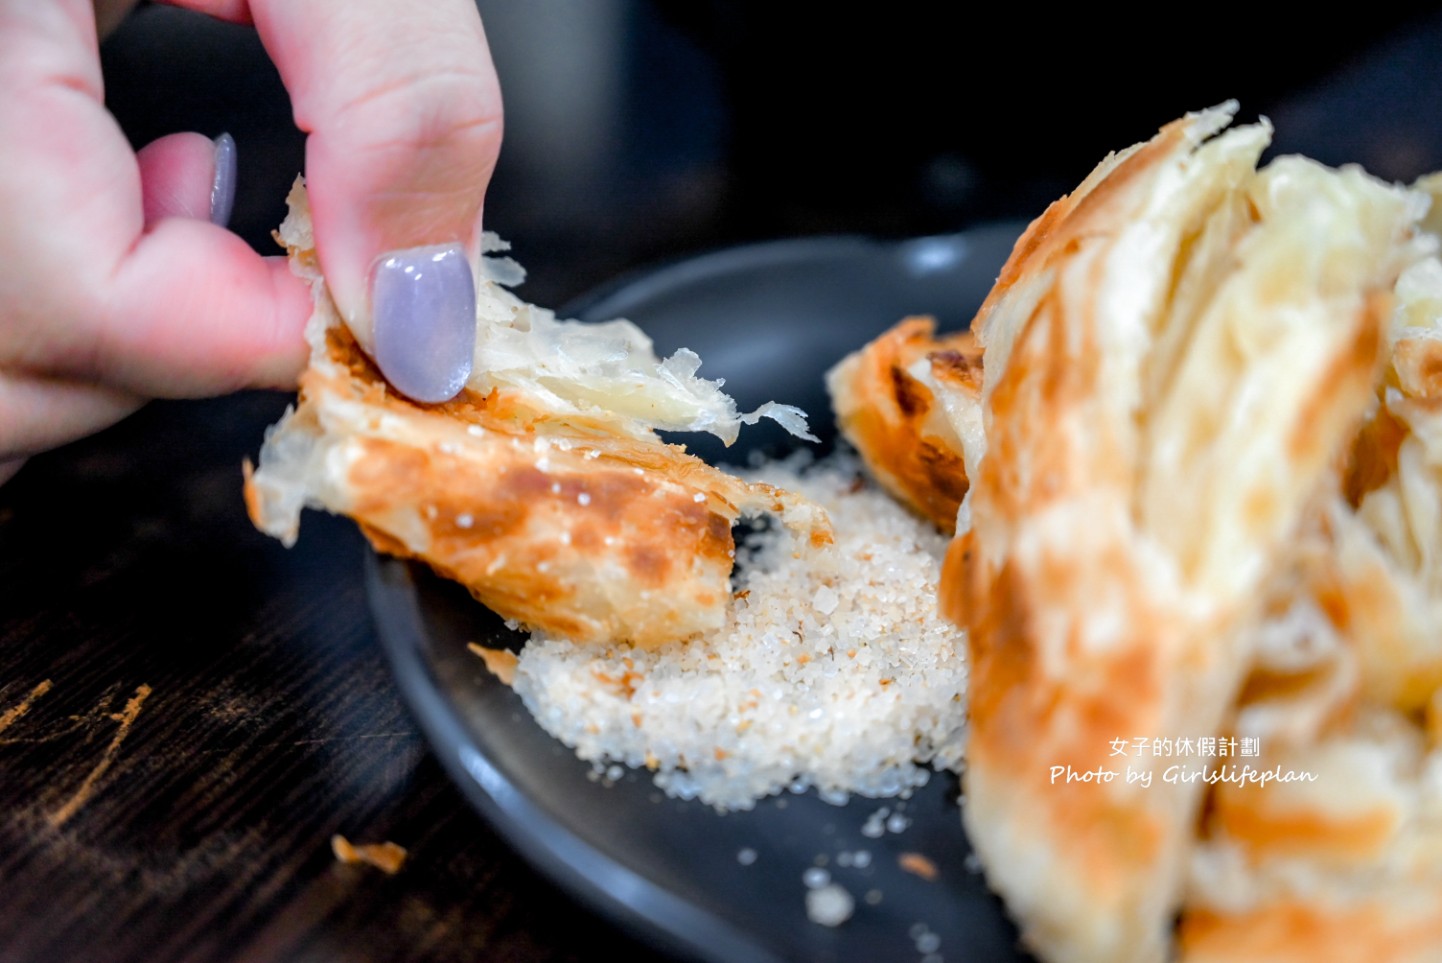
(835, 670)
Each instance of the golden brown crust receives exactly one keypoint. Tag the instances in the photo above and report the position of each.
(894, 420)
(579, 533)
(558, 515)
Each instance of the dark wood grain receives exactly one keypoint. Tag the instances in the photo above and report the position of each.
(189, 711)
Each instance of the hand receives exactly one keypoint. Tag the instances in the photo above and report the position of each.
(116, 287)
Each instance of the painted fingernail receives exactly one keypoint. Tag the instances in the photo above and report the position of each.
(423, 304)
(222, 188)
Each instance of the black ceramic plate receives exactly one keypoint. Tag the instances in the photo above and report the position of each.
(770, 319)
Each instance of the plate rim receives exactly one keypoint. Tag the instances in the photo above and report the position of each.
(590, 876)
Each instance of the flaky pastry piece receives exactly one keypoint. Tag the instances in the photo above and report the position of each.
(1343, 861)
(888, 406)
(1177, 356)
(543, 486)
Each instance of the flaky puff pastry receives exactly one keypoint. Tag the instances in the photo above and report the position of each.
(1177, 356)
(889, 404)
(1344, 860)
(542, 487)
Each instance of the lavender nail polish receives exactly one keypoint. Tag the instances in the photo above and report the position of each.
(423, 303)
(222, 187)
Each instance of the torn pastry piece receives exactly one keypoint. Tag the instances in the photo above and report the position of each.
(543, 486)
(1338, 854)
(388, 857)
(1177, 355)
(888, 406)
(1335, 858)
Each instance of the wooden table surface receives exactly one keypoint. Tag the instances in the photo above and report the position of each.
(189, 711)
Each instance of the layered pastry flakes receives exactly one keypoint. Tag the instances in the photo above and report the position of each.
(543, 487)
(1199, 561)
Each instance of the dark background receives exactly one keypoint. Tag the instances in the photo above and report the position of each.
(641, 131)
(636, 132)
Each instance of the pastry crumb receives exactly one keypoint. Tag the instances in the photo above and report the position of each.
(387, 857)
(918, 865)
(500, 662)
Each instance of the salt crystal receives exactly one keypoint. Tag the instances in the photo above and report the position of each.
(826, 600)
(830, 905)
(815, 877)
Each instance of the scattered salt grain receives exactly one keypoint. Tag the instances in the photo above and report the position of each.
(875, 825)
(815, 877)
(926, 941)
(746, 856)
(829, 905)
(835, 671)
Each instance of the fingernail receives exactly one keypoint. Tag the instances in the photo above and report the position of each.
(423, 307)
(222, 188)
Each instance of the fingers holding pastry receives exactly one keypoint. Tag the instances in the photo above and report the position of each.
(133, 288)
(129, 291)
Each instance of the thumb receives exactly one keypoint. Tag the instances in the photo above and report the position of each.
(187, 175)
